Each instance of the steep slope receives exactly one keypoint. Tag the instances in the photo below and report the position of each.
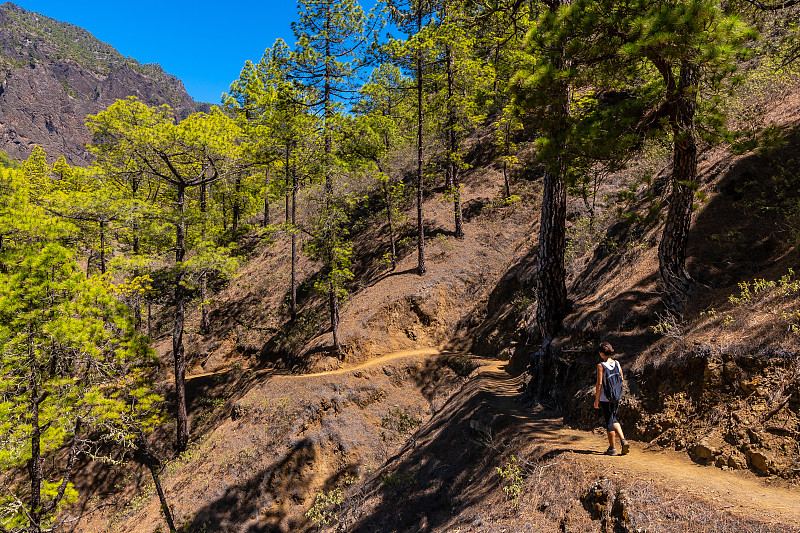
(717, 386)
(53, 74)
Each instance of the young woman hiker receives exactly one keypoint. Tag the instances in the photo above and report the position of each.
(609, 383)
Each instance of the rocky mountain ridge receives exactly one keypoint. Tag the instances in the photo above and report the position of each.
(53, 74)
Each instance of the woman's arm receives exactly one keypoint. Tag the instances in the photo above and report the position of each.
(598, 385)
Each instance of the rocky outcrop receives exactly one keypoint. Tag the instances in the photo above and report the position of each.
(53, 74)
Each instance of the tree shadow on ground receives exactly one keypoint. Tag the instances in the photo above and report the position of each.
(263, 502)
(450, 463)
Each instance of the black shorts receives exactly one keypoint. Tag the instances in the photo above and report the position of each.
(610, 414)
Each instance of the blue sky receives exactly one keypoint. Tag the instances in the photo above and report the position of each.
(203, 43)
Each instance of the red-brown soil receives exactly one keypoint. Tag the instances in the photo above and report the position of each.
(456, 485)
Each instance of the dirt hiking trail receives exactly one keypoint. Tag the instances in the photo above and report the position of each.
(418, 353)
(739, 492)
(495, 395)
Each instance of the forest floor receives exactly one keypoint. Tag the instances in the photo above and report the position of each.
(740, 492)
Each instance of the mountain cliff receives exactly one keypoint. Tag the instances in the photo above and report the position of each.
(53, 74)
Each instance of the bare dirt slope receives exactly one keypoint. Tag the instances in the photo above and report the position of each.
(270, 455)
(271, 442)
(453, 483)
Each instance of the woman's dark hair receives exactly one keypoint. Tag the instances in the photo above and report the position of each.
(606, 348)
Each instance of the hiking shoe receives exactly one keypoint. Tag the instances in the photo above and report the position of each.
(625, 447)
(610, 451)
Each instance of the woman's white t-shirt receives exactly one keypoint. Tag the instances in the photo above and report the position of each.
(609, 366)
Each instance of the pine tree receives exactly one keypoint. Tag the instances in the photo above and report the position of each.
(684, 49)
(411, 17)
(195, 152)
(331, 40)
(383, 120)
(70, 375)
(543, 89)
(506, 128)
(465, 77)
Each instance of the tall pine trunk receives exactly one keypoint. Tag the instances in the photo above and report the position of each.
(265, 221)
(551, 289)
(295, 188)
(177, 332)
(672, 248)
(421, 268)
(35, 464)
(453, 142)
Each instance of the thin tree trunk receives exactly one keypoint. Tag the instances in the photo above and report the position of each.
(288, 180)
(295, 188)
(224, 214)
(3, 267)
(390, 220)
(453, 141)
(326, 116)
(496, 61)
(163, 499)
(177, 332)
(505, 179)
(144, 455)
(102, 247)
(505, 162)
(457, 204)
(35, 465)
(672, 248)
(265, 221)
(421, 268)
(236, 206)
(334, 308)
(205, 321)
(149, 318)
(65, 479)
(137, 302)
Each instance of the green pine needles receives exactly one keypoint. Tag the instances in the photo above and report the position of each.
(71, 375)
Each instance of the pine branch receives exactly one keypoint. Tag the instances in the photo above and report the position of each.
(73, 453)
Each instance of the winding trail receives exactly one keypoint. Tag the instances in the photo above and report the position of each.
(735, 491)
(739, 492)
(418, 353)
